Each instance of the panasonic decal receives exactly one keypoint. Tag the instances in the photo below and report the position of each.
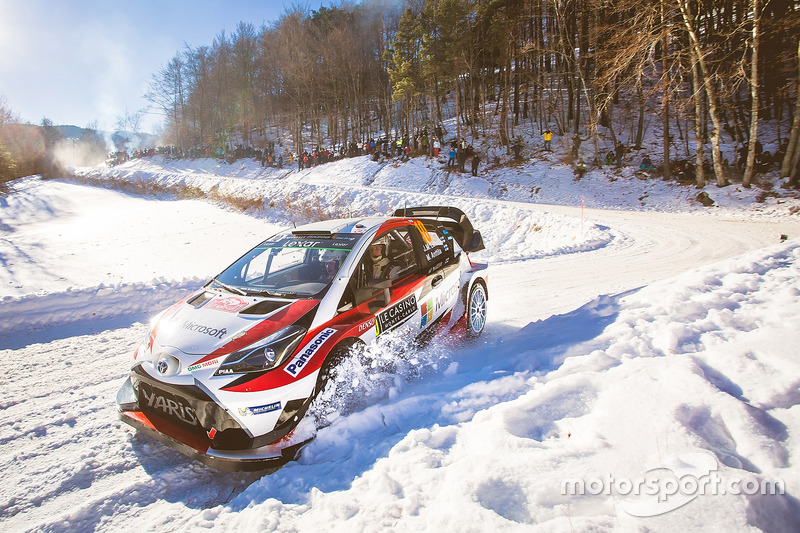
(298, 361)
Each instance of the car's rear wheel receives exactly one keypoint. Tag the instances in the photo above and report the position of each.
(476, 310)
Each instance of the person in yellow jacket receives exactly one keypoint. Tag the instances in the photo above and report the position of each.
(548, 136)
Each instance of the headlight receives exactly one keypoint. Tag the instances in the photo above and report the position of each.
(263, 355)
(146, 345)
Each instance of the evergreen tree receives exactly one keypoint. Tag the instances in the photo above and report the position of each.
(8, 166)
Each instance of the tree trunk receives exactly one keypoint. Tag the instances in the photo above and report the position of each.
(700, 175)
(640, 123)
(789, 166)
(751, 148)
(716, 152)
(667, 169)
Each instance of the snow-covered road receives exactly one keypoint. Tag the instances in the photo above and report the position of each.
(647, 247)
(69, 465)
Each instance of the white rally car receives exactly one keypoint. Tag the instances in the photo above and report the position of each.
(226, 375)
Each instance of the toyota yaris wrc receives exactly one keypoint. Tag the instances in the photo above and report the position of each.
(226, 375)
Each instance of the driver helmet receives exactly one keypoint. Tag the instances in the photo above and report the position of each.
(332, 260)
(377, 250)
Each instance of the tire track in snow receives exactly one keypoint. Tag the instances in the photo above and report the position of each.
(118, 473)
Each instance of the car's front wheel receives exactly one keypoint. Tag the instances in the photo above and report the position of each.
(476, 310)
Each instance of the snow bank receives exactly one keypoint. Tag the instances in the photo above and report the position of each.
(542, 179)
(35, 311)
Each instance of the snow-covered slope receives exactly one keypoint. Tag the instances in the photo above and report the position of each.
(655, 348)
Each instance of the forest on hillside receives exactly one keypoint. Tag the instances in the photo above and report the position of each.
(387, 69)
(599, 71)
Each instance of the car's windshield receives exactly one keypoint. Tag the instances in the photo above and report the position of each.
(289, 265)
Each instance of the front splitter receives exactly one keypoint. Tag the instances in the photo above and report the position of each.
(272, 456)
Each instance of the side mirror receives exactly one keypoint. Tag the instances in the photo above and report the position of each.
(383, 299)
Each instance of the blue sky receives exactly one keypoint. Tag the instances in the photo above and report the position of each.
(80, 61)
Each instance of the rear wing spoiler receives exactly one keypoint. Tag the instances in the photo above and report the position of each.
(455, 221)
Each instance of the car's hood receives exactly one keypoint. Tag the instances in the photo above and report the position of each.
(216, 323)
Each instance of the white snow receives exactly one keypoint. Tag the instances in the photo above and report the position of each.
(635, 339)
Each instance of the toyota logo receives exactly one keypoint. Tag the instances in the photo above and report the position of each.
(163, 366)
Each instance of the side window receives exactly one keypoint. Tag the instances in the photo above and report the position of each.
(402, 254)
(438, 251)
(391, 256)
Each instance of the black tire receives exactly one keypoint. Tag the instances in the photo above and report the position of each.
(476, 310)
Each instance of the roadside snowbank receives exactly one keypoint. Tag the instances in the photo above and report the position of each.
(543, 179)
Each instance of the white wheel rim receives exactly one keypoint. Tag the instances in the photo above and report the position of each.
(477, 309)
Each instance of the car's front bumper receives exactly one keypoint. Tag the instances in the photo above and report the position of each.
(199, 428)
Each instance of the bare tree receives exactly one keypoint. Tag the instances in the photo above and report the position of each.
(706, 75)
(754, 82)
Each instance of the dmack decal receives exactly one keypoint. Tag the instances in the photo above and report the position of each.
(397, 314)
(302, 357)
(170, 407)
(274, 406)
(230, 304)
(205, 364)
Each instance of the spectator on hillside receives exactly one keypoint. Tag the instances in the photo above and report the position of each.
(548, 136)
(763, 161)
(462, 155)
(647, 164)
(476, 160)
(685, 172)
(580, 168)
(619, 151)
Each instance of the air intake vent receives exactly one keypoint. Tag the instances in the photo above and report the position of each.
(200, 299)
(263, 307)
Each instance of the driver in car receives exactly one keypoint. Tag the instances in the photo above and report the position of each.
(331, 261)
(378, 264)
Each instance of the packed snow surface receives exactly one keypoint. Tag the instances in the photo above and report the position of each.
(639, 369)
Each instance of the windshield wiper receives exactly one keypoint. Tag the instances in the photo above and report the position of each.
(282, 294)
(229, 288)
